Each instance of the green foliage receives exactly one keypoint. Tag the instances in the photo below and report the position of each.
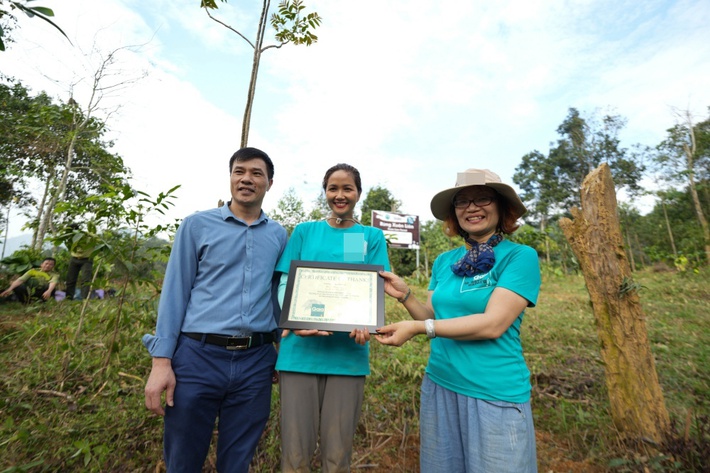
(550, 184)
(40, 135)
(118, 234)
(533, 175)
(628, 285)
(530, 236)
(22, 260)
(292, 27)
(43, 13)
(434, 242)
(378, 198)
(402, 260)
(674, 213)
(289, 210)
(15, 105)
(671, 235)
(673, 165)
(320, 208)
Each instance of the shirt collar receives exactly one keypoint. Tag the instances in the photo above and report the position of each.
(227, 214)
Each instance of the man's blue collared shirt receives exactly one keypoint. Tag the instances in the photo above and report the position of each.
(219, 279)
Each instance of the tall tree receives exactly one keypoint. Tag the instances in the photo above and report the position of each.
(289, 210)
(685, 156)
(670, 230)
(536, 176)
(434, 242)
(378, 198)
(83, 124)
(403, 261)
(16, 143)
(583, 146)
(320, 208)
(550, 183)
(290, 26)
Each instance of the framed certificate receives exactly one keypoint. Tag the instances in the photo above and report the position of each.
(335, 297)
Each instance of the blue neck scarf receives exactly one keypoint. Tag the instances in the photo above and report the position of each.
(479, 259)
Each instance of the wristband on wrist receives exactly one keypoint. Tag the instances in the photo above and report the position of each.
(429, 327)
(406, 296)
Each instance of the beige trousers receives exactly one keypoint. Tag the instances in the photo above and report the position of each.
(311, 404)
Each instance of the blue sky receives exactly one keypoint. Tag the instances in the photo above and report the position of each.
(408, 92)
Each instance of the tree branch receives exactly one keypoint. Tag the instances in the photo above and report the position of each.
(229, 28)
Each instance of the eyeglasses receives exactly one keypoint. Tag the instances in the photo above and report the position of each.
(482, 201)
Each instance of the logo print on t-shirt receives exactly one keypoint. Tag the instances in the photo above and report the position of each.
(476, 282)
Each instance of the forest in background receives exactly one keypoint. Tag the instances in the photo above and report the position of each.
(60, 148)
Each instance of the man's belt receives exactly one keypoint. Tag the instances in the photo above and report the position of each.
(234, 343)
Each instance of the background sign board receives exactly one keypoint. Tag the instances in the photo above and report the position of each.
(401, 230)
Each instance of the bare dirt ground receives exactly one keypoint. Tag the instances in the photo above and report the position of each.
(553, 457)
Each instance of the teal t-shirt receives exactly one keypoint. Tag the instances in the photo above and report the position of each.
(483, 369)
(337, 354)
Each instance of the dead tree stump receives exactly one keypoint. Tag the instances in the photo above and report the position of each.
(637, 405)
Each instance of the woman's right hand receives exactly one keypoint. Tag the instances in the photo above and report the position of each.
(394, 285)
(397, 334)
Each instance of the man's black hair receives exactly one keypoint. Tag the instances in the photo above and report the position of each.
(247, 154)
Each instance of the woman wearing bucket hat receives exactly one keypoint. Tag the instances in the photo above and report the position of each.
(475, 398)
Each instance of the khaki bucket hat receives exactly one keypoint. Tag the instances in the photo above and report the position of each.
(441, 203)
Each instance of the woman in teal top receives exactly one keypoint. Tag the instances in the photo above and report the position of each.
(475, 399)
(322, 374)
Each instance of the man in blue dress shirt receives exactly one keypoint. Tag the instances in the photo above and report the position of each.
(212, 351)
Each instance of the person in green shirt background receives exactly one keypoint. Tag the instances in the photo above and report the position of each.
(79, 268)
(38, 283)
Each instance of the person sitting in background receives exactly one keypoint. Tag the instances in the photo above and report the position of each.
(38, 283)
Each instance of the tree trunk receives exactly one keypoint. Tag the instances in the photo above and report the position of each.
(58, 194)
(246, 122)
(7, 227)
(696, 202)
(644, 260)
(668, 227)
(631, 251)
(40, 212)
(543, 227)
(690, 152)
(637, 404)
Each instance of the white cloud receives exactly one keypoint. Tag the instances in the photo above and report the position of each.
(408, 92)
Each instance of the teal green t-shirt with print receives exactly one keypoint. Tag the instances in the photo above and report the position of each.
(337, 354)
(483, 369)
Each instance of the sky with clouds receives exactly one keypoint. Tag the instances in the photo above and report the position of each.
(410, 93)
